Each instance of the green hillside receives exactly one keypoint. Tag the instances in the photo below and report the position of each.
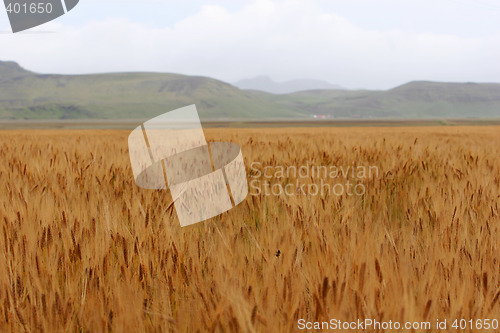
(26, 95)
(126, 95)
(413, 100)
(434, 99)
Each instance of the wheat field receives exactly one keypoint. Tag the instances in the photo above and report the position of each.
(83, 249)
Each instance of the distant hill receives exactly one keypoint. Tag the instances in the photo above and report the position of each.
(24, 95)
(10, 70)
(435, 99)
(264, 83)
(27, 95)
(413, 100)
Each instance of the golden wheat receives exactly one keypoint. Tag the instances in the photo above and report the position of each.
(84, 249)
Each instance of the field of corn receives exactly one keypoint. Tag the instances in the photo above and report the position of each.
(83, 249)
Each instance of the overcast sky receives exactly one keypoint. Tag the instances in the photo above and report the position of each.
(375, 44)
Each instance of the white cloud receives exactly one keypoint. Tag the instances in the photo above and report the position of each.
(284, 39)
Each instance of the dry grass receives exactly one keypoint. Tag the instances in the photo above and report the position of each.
(83, 249)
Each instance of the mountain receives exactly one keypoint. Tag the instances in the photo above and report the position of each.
(413, 100)
(437, 99)
(25, 95)
(10, 70)
(264, 83)
(28, 95)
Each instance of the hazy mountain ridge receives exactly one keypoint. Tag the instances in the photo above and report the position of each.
(266, 84)
(27, 95)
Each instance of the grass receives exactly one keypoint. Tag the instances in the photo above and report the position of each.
(84, 249)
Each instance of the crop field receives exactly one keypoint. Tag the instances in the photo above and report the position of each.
(83, 249)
